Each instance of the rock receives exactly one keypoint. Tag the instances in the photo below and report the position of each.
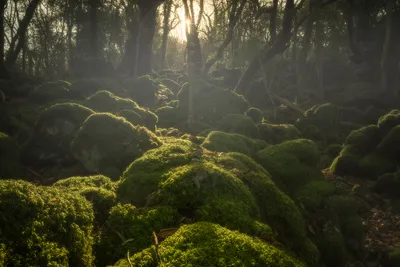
(374, 165)
(390, 144)
(142, 89)
(388, 184)
(51, 91)
(239, 124)
(44, 226)
(277, 133)
(365, 139)
(388, 121)
(106, 144)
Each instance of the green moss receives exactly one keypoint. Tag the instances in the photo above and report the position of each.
(353, 231)
(129, 228)
(106, 144)
(51, 91)
(374, 165)
(239, 124)
(388, 184)
(390, 144)
(364, 139)
(141, 178)
(142, 89)
(226, 142)
(170, 132)
(131, 116)
(169, 117)
(10, 166)
(195, 139)
(333, 150)
(277, 133)
(332, 246)
(345, 206)
(388, 121)
(311, 195)
(255, 114)
(301, 155)
(172, 85)
(206, 244)
(44, 226)
(345, 165)
(394, 258)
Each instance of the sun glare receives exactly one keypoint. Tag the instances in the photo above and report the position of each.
(180, 31)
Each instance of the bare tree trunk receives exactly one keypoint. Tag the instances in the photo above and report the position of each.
(12, 55)
(3, 71)
(385, 69)
(236, 12)
(167, 15)
(268, 52)
(272, 21)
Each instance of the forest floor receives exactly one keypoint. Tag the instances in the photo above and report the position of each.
(381, 224)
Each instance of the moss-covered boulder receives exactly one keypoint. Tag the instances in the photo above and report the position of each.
(255, 114)
(131, 116)
(365, 139)
(347, 163)
(292, 164)
(239, 124)
(277, 133)
(105, 101)
(131, 228)
(198, 140)
(44, 226)
(86, 87)
(332, 246)
(106, 144)
(169, 116)
(228, 142)
(10, 166)
(312, 195)
(206, 244)
(53, 134)
(172, 85)
(98, 189)
(142, 90)
(375, 164)
(388, 121)
(51, 91)
(390, 144)
(388, 184)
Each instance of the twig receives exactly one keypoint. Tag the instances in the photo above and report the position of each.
(155, 242)
(128, 259)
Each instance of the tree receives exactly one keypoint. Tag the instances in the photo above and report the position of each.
(3, 71)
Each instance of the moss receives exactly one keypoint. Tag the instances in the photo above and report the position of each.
(374, 165)
(45, 226)
(347, 163)
(301, 155)
(255, 114)
(173, 103)
(141, 178)
(333, 150)
(226, 142)
(51, 91)
(169, 116)
(239, 124)
(388, 121)
(106, 144)
(195, 139)
(170, 132)
(131, 116)
(142, 89)
(277, 133)
(275, 207)
(10, 166)
(172, 85)
(352, 229)
(388, 184)
(129, 228)
(345, 206)
(206, 244)
(390, 144)
(364, 139)
(311, 195)
(193, 127)
(394, 258)
(332, 246)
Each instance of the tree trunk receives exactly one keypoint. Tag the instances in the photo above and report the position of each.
(268, 52)
(385, 68)
(349, 18)
(128, 61)
(3, 71)
(236, 12)
(12, 55)
(94, 47)
(272, 21)
(167, 15)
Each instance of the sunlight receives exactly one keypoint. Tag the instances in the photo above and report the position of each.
(180, 31)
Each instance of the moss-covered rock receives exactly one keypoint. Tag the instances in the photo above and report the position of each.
(301, 155)
(106, 144)
(98, 189)
(277, 133)
(10, 166)
(239, 124)
(347, 163)
(88, 86)
(52, 91)
(131, 116)
(312, 195)
(170, 132)
(227, 142)
(255, 114)
(142, 89)
(388, 184)
(169, 116)
(374, 165)
(206, 244)
(105, 101)
(388, 121)
(390, 144)
(172, 85)
(332, 246)
(53, 134)
(365, 139)
(142, 177)
(129, 228)
(193, 127)
(44, 226)
(195, 139)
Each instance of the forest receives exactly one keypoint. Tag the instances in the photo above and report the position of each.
(199, 133)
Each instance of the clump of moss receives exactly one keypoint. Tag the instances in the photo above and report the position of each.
(374, 165)
(172, 85)
(390, 144)
(277, 133)
(106, 144)
(347, 163)
(44, 226)
(195, 139)
(239, 124)
(255, 114)
(169, 116)
(10, 166)
(227, 142)
(365, 139)
(170, 132)
(52, 91)
(206, 244)
(302, 155)
(332, 246)
(105, 101)
(142, 177)
(86, 87)
(54, 132)
(388, 184)
(388, 121)
(129, 228)
(311, 195)
(131, 116)
(142, 89)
